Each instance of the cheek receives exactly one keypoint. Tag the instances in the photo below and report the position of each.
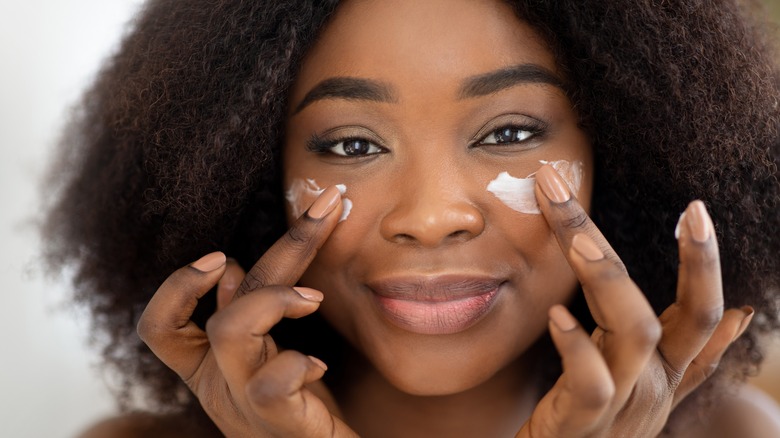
(301, 193)
(518, 193)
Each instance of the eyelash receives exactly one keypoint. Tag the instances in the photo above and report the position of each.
(534, 129)
(326, 146)
(322, 146)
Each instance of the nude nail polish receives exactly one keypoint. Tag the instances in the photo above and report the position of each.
(678, 227)
(587, 248)
(325, 203)
(310, 294)
(210, 262)
(552, 185)
(749, 312)
(318, 362)
(699, 222)
(562, 318)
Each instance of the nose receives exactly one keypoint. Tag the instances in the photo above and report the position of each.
(432, 211)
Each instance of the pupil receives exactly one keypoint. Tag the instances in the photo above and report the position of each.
(356, 147)
(507, 135)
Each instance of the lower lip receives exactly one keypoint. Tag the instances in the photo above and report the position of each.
(436, 318)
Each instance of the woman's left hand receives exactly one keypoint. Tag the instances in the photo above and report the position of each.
(626, 377)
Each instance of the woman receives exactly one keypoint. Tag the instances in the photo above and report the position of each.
(439, 164)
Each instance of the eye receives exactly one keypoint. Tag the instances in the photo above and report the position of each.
(509, 135)
(354, 147)
(344, 147)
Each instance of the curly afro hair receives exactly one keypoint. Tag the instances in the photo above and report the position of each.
(173, 153)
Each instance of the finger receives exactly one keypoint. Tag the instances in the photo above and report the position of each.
(165, 324)
(631, 330)
(730, 328)
(567, 218)
(239, 333)
(228, 284)
(277, 394)
(565, 215)
(691, 320)
(288, 258)
(584, 391)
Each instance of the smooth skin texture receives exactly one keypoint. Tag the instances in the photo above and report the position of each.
(421, 208)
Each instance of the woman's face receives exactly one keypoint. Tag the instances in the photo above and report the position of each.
(415, 107)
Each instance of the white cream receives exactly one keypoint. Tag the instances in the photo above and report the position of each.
(302, 193)
(518, 193)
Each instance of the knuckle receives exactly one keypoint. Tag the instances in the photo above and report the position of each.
(706, 260)
(256, 278)
(646, 332)
(218, 332)
(299, 238)
(578, 221)
(147, 330)
(265, 391)
(707, 318)
(609, 273)
(599, 394)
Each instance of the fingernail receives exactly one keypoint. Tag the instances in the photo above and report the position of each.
(586, 247)
(749, 312)
(679, 226)
(562, 318)
(210, 262)
(319, 363)
(310, 294)
(699, 222)
(552, 185)
(325, 203)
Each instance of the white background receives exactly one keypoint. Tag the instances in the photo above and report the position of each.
(49, 51)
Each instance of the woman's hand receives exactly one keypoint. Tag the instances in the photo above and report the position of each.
(626, 377)
(248, 387)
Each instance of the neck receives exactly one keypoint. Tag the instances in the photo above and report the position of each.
(497, 407)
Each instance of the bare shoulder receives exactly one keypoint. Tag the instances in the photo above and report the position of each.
(743, 412)
(748, 413)
(738, 412)
(146, 425)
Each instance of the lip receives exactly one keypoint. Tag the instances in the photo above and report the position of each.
(435, 305)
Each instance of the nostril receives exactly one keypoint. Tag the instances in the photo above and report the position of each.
(460, 235)
(400, 238)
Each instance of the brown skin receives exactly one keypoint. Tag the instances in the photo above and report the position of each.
(422, 208)
(438, 217)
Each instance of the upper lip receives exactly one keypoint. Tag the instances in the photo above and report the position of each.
(439, 288)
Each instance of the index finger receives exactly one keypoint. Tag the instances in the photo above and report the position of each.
(285, 262)
(566, 216)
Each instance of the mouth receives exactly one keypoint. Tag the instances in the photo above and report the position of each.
(437, 305)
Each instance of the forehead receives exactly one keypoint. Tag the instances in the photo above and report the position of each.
(421, 44)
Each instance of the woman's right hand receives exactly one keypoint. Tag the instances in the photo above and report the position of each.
(248, 387)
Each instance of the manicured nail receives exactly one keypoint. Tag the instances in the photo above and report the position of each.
(319, 363)
(586, 247)
(325, 203)
(562, 318)
(210, 262)
(749, 312)
(552, 184)
(699, 222)
(310, 294)
(679, 226)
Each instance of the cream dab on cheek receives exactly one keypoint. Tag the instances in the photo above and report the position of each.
(518, 193)
(302, 193)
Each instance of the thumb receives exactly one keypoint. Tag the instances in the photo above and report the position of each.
(277, 393)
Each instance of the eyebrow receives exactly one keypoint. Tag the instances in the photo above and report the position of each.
(351, 88)
(495, 81)
(347, 88)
